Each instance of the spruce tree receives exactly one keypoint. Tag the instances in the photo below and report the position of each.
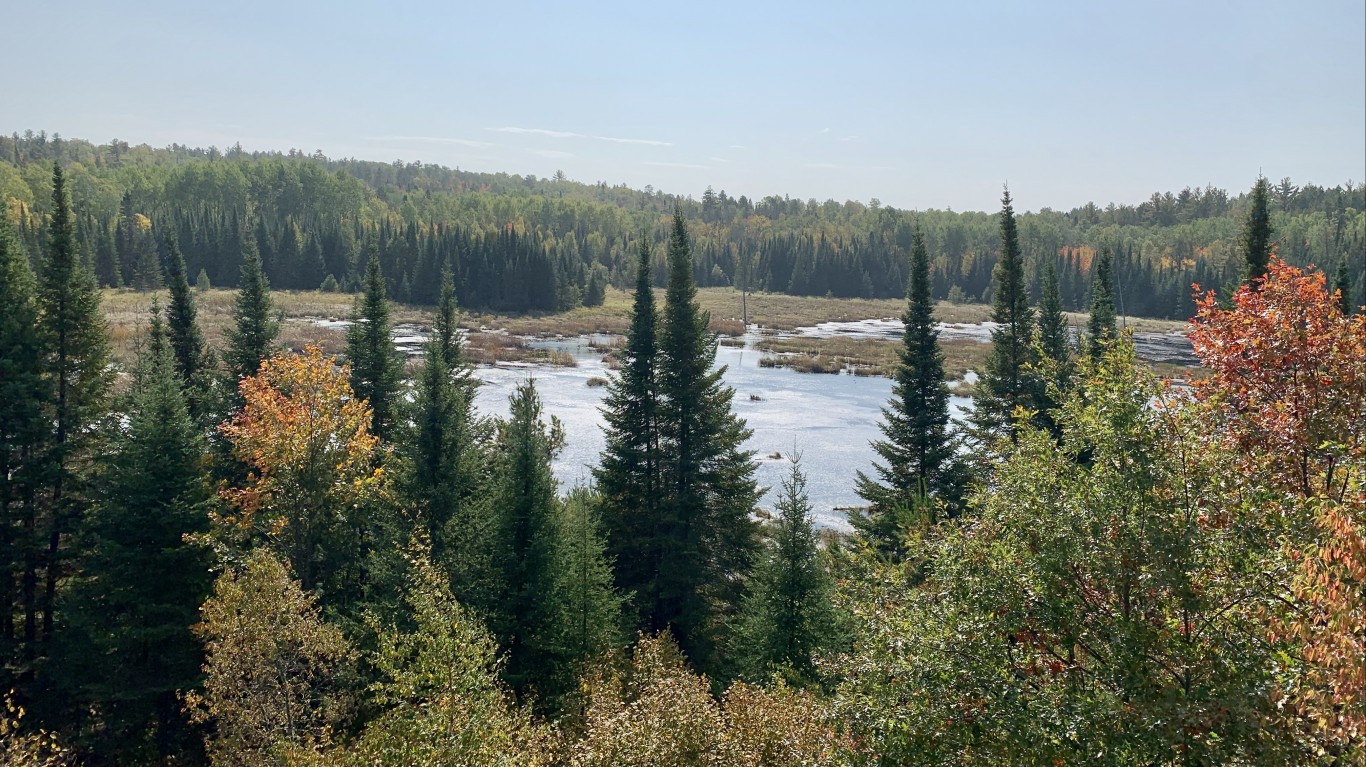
(787, 618)
(708, 476)
(1342, 283)
(1007, 382)
(628, 477)
(1055, 352)
(128, 650)
(918, 455)
(1255, 241)
(23, 432)
(194, 361)
(1101, 326)
(376, 368)
(76, 368)
(447, 455)
(525, 507)
(255, 323)
(589, 607)
(201, 281)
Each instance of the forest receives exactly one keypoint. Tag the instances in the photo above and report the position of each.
(245, 555)
(515, 243)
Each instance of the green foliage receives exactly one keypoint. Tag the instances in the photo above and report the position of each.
(23, 433)
(201, 281)
(448, 458)
(76, 368)
(708, 476)
(1007, 383)
(251, 340)
(1100, 611)
(919, 467)
(1101, 325)
(273, 670)
(628, 476)
(1255, 241)
(330, 285)
(126, 650)
(194, 361)
(376, 369)
(439, 689)
(526, 508)
(787, 618)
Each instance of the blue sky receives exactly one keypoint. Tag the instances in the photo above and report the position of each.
(918, 105)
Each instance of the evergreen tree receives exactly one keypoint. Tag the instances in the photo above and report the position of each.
(628, 475)
(129, 651)
(589, 607)
(1101, 326)
(76, 368)
(1007, 382)
(1255, 241)
(23, 432)
(255, 323)
(525, 506)
(787, 618)
(918, 454)
(448, 457)
(708, 476)
(376, 368)
(1342, 283)
(201, 282)
(194, 361)
(1055, 352)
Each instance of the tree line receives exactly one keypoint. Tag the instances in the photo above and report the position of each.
(515, 243)
(242, 556)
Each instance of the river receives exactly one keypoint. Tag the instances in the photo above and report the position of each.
(829, 419)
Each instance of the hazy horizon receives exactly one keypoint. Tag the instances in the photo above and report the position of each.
(917, 107)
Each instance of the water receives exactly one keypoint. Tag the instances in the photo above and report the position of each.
(830, 419)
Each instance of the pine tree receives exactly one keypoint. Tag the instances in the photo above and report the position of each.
(201, 281)
(77, 370)
(1342, 283)
(1101, 326)
(525, 507)
(708, 476)
(128, 649)
(1007, 382)
(255, 324)
(1255, 241)
(447, 456)
(589, 607)
(375, 365)
(194, 362)
(23, 432)
(787, 618)
(1054, 372)
(628, 476)
(918, 454)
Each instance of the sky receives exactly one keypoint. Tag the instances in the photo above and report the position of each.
(919, 105)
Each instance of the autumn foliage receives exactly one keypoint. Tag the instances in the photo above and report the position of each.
(306, 439)
(1289, 389)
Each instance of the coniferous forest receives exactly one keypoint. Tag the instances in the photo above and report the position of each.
(242, 555)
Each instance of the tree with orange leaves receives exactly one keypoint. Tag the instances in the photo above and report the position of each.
(314, 476)
(1289, 390)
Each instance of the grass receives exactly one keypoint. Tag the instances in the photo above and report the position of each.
(864, 356)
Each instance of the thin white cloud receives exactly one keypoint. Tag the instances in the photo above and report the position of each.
(433, 140)
(644, 141)
(551, 153)
(662, 164)
(537, 132)
(823, 130)
(849, 138)
(736, 146)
